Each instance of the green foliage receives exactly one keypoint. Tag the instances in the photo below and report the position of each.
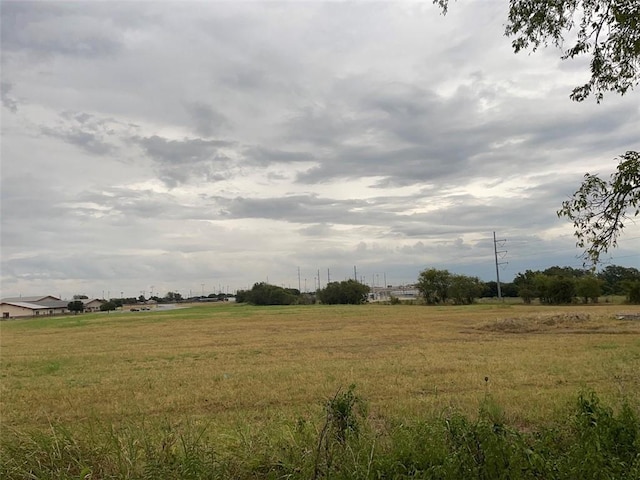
(171, 297)
(554, 290)
(599, 208)
(265, 294)
(589, 288)
(464, 290)
(607, 445)
(616, 278)
(438, 286)
(76, 306)
(346, 292)
(434, 285)
(107, 306)
(633, 292)
(593, 441)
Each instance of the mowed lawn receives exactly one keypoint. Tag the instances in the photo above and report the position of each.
(258, 365)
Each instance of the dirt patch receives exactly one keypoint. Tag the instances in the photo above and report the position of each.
(537, 323)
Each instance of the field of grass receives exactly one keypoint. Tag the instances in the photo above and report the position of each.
(251, 369)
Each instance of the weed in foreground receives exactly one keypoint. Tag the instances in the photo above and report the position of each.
(593, 442)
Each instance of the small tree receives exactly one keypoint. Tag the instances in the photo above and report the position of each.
(434, 285)
(76, 306)
(107, 306)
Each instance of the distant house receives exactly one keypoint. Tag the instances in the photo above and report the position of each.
(13, 307)
(92, 304)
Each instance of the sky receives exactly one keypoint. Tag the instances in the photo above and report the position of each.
(200, 147)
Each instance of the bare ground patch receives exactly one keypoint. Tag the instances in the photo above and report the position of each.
(567, 322)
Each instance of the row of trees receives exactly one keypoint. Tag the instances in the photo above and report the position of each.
(554, 285)
(346, 292)
(563, 284)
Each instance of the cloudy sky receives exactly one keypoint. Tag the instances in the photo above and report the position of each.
(206, 146)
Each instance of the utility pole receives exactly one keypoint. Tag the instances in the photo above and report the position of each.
(328, 277)
(496, 252)
(319, 286)
(355, 273)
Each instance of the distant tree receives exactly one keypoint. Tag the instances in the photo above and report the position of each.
(614, 278)
(346, 292)
(265, 294)
(570, 272)
(561, 290)
(507, 289)
(107, 306)
(433, 285)
(172, 297)
(633, 292)
(117, 302)
(76, 306)
(80, 297)
(141, 299)
(589, 288)
(464, 290)
(490, 289)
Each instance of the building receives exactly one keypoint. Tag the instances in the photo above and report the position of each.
(14, 307)
(92, 304)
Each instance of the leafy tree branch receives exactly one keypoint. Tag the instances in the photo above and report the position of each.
(599, 208)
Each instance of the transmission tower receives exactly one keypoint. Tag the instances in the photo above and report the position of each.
(502, 253)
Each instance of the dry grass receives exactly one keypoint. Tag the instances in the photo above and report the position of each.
(234, 364)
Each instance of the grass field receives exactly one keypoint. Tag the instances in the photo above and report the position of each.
(240, 367)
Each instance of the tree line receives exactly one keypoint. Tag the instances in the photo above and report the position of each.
(553, 286)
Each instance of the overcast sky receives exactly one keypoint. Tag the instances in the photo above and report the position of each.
(167, 146)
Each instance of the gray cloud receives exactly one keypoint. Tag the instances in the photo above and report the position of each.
(179, 161)
(235, 141)
(7, 99)
(34, 27)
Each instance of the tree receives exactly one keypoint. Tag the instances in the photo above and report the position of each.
(265, 294)
(434, 284)
(80, 297)
(464, 290)
(348, 292)
(633, 292)
(76, 306)
(173, 297)
(588, 288)
(608, 31)
(615, 278)
(107, 306)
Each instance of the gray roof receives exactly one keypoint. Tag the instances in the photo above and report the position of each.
(29, 299)
(47, 301)
(29, 305)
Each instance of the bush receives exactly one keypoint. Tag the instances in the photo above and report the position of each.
(345, 292)
(266, 294)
